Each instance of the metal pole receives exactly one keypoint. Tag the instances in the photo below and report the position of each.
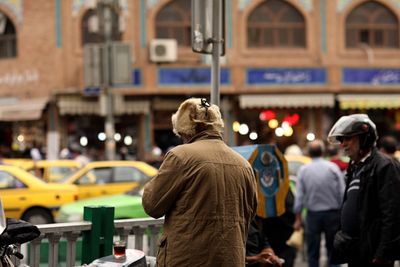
(109, 128)
(217, 41)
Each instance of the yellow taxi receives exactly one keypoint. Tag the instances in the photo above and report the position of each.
(110, 177)
(53, 170)
(295, 162)
(19, 162)
(27, 197)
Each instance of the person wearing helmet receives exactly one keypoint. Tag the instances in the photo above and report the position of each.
(206, 191)
(370, 214)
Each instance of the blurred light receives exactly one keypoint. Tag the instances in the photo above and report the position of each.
(83, 141)
(243, 129)
(253, 136)
(310, 137)
(295, 118)
(267, 115)
(292, 119)
(273, 123)
(288, 131)
(20, 138)
(101, 136)
(285, 125)
(128, 140)
(117, 137)
(279, 131)
(156, 151)
(235, 126)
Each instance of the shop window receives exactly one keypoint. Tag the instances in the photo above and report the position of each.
(275, 23)
(373, 24)
(174, 21)
(8, 38)
(91, 30)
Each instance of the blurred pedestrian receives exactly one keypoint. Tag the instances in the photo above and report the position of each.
(319, 189)
(370, 216)
(333, 154)
(388, 146)
(259, 252)
(205, 190)
(35, 152)
(78, 154)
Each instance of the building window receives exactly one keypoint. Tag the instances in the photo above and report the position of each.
(91, 29)
(174, 21)
(8, 37)
(275, 23)
(372, 24)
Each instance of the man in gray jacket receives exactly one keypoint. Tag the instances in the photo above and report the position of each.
(205, 190)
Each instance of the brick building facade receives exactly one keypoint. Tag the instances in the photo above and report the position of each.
(318, 59)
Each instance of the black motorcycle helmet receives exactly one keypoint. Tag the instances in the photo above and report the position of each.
(355, 124)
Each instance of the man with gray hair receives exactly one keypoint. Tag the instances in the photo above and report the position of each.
(319, 188)
(206, 191)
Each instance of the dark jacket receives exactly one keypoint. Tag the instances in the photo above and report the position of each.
(256, 241)
(379, 213)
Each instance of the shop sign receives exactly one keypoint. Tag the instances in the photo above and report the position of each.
(136, 77)
(367, 76)
(189, 76)
(285, 76)
(92, 91)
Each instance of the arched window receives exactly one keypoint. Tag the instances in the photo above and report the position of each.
(8, 37)
(275, 23)
(91, 29)
(373, 24)
(174, 21)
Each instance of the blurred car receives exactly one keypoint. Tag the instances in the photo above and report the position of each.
(110, 177)
(294, 163)
(53, 170)
(127, 205)
(19, 162)
(27, 197)
(48, 170)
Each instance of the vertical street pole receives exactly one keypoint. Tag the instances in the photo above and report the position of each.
(216, 52)
(109, 128)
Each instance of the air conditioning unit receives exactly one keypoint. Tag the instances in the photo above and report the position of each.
(163, 50)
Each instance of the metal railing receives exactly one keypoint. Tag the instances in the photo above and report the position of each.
(143, 232)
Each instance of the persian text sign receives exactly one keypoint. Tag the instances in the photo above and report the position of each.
(364, 76)
(283, 76)
(189, 76)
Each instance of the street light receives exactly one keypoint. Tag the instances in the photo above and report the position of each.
(208, 31)
(105, 21)
(107, 64)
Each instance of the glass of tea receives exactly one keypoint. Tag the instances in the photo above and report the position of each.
(119, 248)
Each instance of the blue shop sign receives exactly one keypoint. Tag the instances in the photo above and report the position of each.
(364, 76)
(189, 76)
(283, 76)
(136, 77)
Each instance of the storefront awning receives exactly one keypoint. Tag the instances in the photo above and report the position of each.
(128, 107)
(369, 101)
(286, 101)
(23, 110)
(77, 105)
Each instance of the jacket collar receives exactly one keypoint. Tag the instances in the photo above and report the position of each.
(204, 135)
